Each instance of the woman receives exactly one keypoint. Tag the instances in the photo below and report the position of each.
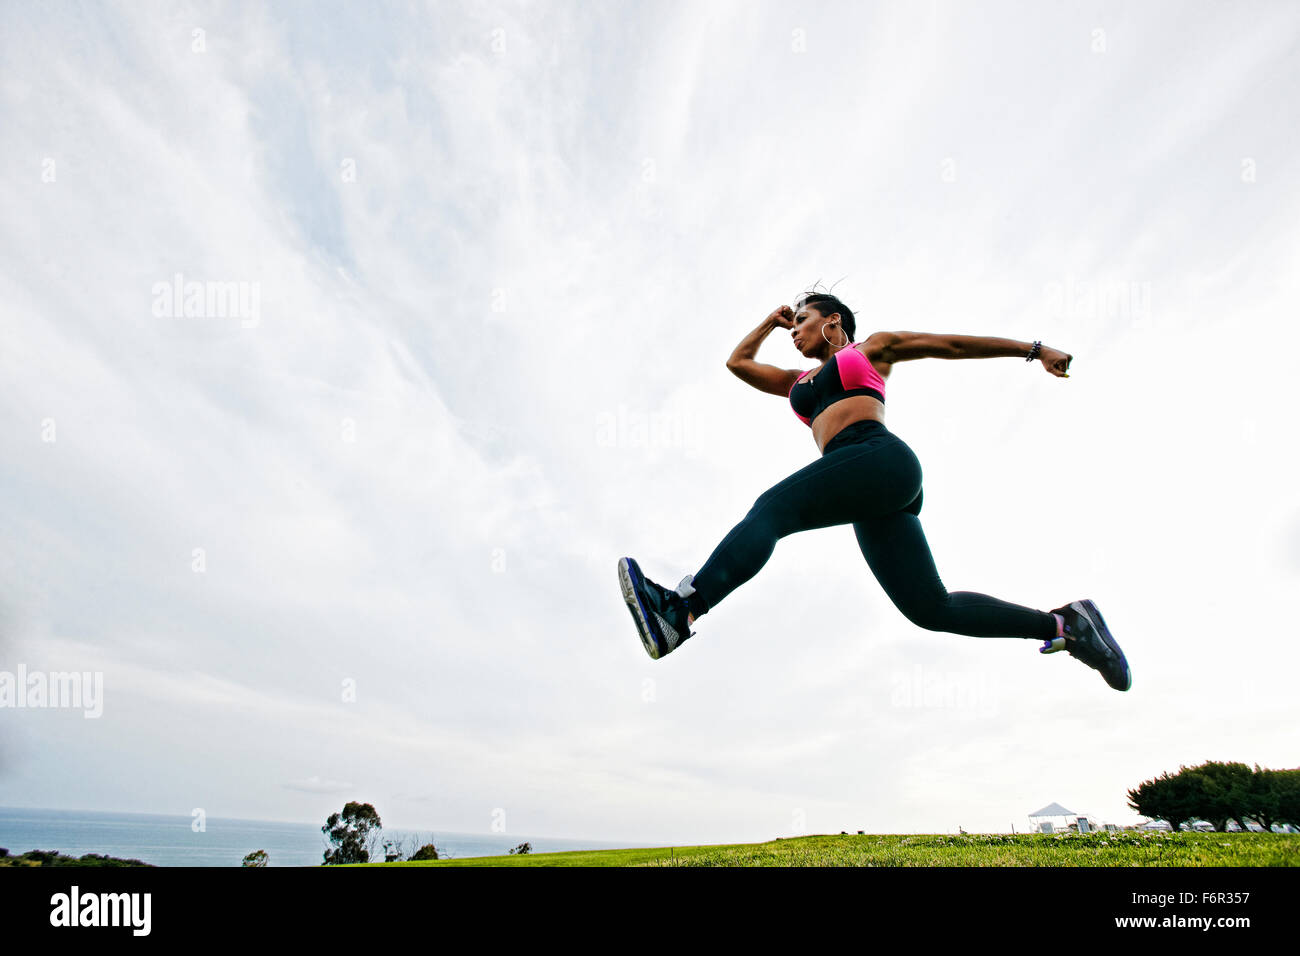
(868, 477)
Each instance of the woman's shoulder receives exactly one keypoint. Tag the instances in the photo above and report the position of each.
(874, 344)
(871, 349)
(866, 348)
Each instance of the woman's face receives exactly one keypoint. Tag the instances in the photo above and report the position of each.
(807, 330)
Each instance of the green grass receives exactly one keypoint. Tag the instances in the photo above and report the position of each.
(1128, 848)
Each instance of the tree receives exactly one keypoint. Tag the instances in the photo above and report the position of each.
(1218, 792)
(399, 849)
(1151, 798)
(353, 834)
(1178, 798)
(523, 848)
(1191, 796)
(1262, 797)
(1288, 796)
(426, 850)
(1227, 793)
(256, 858)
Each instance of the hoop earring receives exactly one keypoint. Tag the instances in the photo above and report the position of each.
(832, 344)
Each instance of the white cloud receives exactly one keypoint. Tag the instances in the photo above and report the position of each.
(491, 363)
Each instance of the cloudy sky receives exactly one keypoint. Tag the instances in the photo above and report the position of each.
(355, 537)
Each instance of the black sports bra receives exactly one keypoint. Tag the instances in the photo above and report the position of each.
(844, 376)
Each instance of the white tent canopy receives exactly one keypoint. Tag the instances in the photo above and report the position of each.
(1054, 816)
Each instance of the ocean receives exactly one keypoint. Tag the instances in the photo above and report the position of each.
(171, 841)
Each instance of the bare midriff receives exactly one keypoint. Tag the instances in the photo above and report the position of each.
(843, 413)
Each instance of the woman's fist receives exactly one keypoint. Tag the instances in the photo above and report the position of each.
(1056, 361)
(783, 316)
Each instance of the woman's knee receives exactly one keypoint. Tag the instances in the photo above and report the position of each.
(773, 517)
(767, 518)
(931, 612)
(929, 617)
(771, 505)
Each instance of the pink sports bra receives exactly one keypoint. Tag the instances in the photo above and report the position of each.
(848, 373)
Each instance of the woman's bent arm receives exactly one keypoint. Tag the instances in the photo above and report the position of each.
(748, 346)
(765, 378)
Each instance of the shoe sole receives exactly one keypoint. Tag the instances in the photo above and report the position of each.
(1089, 612)
(631, 580)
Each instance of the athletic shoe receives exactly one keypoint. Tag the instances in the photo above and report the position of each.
(1088, 639)
(659, 613)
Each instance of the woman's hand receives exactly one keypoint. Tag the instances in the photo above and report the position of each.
(782, 316)
(1056, 361)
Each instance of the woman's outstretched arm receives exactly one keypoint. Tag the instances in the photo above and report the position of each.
(904, 346)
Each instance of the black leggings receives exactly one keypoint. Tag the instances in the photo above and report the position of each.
(870, 478)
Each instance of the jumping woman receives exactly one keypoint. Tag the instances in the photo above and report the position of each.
(868, 477)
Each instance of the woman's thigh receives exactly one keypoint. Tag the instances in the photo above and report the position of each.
(899, 556)
(851, 483)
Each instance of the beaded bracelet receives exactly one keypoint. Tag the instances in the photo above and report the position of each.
(1033, 353)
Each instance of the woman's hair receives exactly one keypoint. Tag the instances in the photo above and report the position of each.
(827, 304)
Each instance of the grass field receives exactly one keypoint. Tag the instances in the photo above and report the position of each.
(1061, 849)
